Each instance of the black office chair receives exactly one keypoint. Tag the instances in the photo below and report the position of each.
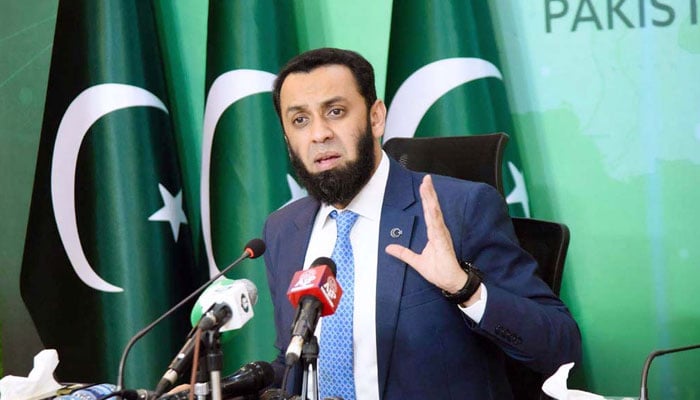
(479, 158)
(548, 243)
(472, 158)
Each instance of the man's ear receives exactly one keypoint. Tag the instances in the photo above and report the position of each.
(377, 118)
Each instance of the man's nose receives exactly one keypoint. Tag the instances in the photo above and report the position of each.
(320, 131)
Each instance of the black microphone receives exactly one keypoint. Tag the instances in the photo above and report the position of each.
(249, 379)
(218, 314)
(647, 365)
(253, 249)
(135, 394)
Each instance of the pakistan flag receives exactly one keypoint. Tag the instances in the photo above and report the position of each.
(444, 79)
(244, 157)
(108, 245)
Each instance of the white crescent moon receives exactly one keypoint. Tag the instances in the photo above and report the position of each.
(227, 89)
(428, 84)
(90, 105)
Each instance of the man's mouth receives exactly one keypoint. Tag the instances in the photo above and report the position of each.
(326, 161)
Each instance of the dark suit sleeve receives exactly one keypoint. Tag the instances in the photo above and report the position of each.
(522, 315)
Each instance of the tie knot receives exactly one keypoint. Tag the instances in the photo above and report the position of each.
(344, 221)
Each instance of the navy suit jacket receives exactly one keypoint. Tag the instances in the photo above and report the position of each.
(426, 347)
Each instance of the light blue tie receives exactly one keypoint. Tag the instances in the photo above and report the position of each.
(335, 358)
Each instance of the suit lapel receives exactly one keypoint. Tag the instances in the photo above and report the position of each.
(304, 223)
(296, 237)
(396, 226)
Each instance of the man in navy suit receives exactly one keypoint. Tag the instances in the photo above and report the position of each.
(442, 290)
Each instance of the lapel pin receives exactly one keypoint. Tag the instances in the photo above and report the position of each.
(396, 232)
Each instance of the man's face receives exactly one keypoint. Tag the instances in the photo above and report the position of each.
(332, 141)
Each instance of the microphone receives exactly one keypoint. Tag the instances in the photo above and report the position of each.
(316, 293)
(229, 304)
(647, 364)
(253, 249)
(249, 379)
(136, 394)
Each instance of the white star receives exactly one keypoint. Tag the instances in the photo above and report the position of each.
(519, 193)
(171, 212)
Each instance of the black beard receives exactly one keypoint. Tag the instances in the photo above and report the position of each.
(339, 185)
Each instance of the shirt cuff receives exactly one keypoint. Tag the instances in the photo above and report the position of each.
(476, 310)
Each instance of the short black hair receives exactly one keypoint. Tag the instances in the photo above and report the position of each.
(306, 62)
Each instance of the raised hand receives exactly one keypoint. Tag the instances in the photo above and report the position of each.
(437, 263)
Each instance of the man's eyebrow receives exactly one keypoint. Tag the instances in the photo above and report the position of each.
(326, 103)
(332, 100)
(293, 109)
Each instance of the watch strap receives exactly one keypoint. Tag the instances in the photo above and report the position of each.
(469, 288)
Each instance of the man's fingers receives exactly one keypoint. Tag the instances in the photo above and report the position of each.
(178, 388)
(402, 253)
(431, 209)
(431, 205)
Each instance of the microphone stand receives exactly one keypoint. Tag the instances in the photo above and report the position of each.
(214, 362)
(647, 364)
(201, 388)
(309, 357)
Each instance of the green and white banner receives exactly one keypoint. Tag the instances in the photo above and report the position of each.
(244, 157)
(444, 79)
(108, 247)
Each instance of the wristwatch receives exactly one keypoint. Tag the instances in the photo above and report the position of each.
(470, 287)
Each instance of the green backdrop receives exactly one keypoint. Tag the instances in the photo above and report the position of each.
(606, 102)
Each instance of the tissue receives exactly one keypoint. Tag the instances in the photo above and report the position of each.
(39, 384)
(555, 386)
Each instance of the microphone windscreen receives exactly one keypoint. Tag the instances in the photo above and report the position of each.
(249, 379)
(327, 262)
(261, 371)
(255, 248)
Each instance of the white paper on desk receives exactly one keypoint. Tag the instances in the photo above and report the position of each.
(555, 386)
(38, 384)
